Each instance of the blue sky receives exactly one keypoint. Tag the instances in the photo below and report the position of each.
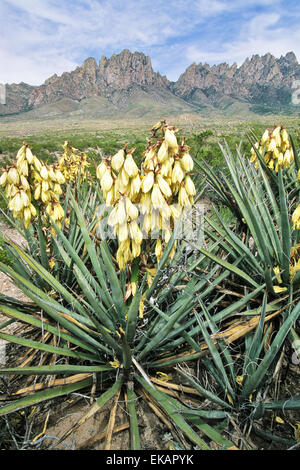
(41, 37)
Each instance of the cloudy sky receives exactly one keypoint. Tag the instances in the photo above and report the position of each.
(41, 37)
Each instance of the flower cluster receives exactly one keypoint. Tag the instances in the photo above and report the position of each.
(72, 163)
(156, 194)
(33, 187)
(276, 147)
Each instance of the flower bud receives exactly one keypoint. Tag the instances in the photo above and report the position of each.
(3, 178)
(187, 162)
(189, 186)
(118, 160)
(130, 166)
(101, 169)
(29, 156)
(164, 187)
(183, 198)
(148, 182)
(177, 173)
(171, 140)
(44, 172)
(162, 153)
(106, 180)
(158, 249)
(157, 198)
(13, 176)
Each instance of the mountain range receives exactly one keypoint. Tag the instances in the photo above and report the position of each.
(126, 84)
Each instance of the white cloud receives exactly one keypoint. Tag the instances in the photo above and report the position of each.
(43, 37)
(260, 35)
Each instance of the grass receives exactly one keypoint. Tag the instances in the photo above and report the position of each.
(47, 136)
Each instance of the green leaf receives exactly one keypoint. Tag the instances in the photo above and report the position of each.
(55, 369)
(47, 394)
(134, 427)
(163, 401)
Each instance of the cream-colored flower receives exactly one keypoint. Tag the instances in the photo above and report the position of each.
(123, 232)
(3, 178)
(189, 186)
(118, 160)
(187, 162)
(183, 197)
(135, 185)
(106, 180)
(101, 169)
(130, 166)
(162, 153)
(29, 156)
(148, 182)
(163, 186)
(13, 176)
(171, 140)
(158, 249)
(44, 172)
(157, 198)
(131, 209)
(296, 218)
(135, 232)
(265, 136)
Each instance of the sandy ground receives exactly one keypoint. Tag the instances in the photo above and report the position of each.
(8, 288)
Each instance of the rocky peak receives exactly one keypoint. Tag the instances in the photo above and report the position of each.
(117, 73)
(244, 82)
(259, 80)
(126, 69)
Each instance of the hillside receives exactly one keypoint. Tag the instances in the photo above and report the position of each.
(126, 84)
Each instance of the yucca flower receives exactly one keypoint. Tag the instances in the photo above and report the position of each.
(3, 178)
(31, 180)
(13, 176)
(163, 180)
(148, 181)
(118, 160)
(296, 218)
(171, 140)
(130, 166)
(177, 173)
(187, 161)
(163, 186)
(162, 153)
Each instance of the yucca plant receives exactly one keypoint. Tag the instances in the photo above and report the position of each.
(31, 191)
(266, 208)
(262, 240)
(107, 336)
(122, 316)
(243, 375)
(134, 310)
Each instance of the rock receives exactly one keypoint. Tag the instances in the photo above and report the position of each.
(261, 80)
